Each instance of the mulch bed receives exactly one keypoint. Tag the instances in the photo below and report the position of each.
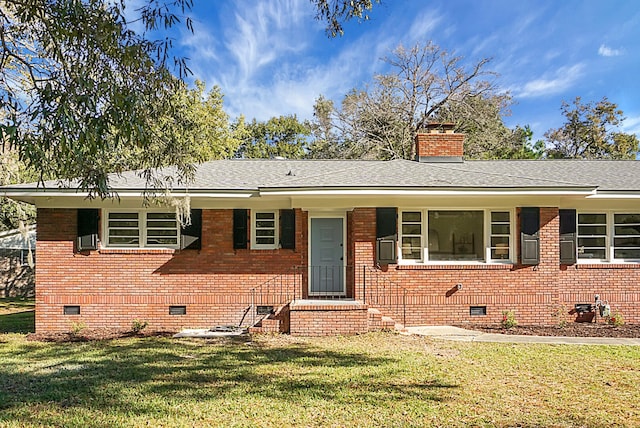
(93, 334)
(570, 329)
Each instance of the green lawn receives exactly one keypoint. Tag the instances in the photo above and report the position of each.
(17, 315)
(374, 380)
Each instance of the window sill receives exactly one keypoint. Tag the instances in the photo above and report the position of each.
(608, 265)
(460, 266)
(137, 251)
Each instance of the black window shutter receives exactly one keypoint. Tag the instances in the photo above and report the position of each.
(568, 237)
(386, 235)
(191, 235)
(530, 235)
(240, 228)
(88, 229)
(288, 229)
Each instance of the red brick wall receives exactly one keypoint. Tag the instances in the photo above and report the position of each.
(435, 144)
(533, 292)
(114, 287)
(328, 320)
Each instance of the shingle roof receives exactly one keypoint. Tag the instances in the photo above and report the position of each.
(249, 174)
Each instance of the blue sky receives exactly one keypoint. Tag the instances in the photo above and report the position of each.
(271, 57)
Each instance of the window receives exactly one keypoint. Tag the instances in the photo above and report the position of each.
(592, 236)
(162, 230)
(626, 236)
(264, 226)
(412, 235)
(138, 229)
(455, 235)
(608, 236)
(500, 235)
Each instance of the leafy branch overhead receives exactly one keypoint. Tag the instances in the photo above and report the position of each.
(83, 95)
(336, 12)
(78, 87)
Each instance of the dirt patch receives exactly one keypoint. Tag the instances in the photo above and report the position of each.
(571, 329)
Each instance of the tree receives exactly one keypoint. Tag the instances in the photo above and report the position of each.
(77, 85)
(591, 131)
(281, 136)
(381, 120)
(13, 214)
(337, 12)
(203, 133)
(480, 118)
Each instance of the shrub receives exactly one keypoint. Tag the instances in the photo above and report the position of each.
(558, 313)
(616, 319)
(509, 319)
(138, 325)
(77, 328)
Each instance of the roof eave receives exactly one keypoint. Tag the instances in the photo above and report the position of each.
(425, 191)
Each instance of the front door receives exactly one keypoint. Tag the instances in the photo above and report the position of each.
(326, 274)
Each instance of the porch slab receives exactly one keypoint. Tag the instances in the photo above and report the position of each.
(203, 333)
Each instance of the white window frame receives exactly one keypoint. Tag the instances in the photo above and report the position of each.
(613, 236)
(276, 233)
(422, 237)
(142, 230)
(609, 238)
(486, 237)
(488, 223)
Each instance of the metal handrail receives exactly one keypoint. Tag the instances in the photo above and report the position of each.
(381, 292)
(276, 291)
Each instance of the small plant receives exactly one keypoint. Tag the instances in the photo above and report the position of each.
(616, 319)
(77, 328)
(559, 314)
(138, 325)
(509, 319)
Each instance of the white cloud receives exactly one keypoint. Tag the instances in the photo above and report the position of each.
(631, 125)
(563, 79)
(606, 51)
(264, 58)
(423, 25)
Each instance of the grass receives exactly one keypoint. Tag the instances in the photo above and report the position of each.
(380, 379)
(17, 315)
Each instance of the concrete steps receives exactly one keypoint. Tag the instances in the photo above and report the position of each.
(325, 318)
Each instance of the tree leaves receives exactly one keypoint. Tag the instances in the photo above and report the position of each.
(282, 136)
(336, 12)
(591, 131)
(79, 90)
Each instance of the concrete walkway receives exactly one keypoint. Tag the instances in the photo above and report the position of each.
(463, 335)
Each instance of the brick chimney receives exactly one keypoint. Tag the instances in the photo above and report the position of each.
(439, 144)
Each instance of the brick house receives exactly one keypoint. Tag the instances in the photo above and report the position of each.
(344, 246)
